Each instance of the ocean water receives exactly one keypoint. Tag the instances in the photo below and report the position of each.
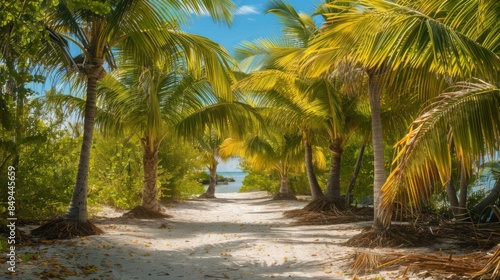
(231, 187)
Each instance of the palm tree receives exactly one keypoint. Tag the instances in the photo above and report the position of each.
(421, 43)
(269, 151)
(268, 78)
(278, 74)
(138, 28)
(283, 104)
(209, 144)
(151, 102)
(468, 113)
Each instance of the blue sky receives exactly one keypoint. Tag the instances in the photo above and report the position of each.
(249, 23)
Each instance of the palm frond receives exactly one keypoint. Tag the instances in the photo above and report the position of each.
(380, 32)
(263, 53)
(469, 111)
(233, 117)
(296, 25)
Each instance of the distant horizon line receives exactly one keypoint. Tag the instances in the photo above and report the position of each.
(230, 171)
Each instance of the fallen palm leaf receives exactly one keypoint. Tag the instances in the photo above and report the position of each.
(140, 212)
(333, 217)
(404, 235)
(66, 229)
(492, 268)
(473, 265)
(482, 236)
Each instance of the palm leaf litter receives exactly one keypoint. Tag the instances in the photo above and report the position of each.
(482, 265)
(66, 229)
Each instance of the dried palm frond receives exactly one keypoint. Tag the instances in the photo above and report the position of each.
(366, 262)
(467, 234)
(433, 264)
(325, 204)
(66, 229)
(395, 236)
(293, 213)
(140, 212)
(318, 205)
(334, 217)
(492, 268)
(467, 266)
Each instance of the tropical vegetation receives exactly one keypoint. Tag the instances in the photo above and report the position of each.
(398, 100)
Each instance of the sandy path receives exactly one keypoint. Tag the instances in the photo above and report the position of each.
(236, 236)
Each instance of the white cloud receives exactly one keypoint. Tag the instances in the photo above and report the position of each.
(246, 10)
(243, 10)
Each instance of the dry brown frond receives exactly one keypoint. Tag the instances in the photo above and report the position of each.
(66, 229)
(492, 268)
(293, 213)
(467, 234)
(432, 264)
(334, 217)
(19, 235)
(325, 204)
(395, 236)
(366, 262)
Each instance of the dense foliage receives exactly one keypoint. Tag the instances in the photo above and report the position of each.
(320, 102)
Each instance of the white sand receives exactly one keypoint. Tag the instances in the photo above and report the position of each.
(235, 236)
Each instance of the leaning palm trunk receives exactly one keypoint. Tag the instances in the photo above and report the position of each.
(490, 199)
(150, 163)
(333, 185)
(374, 92)
(357, 168)
(311, 176)
(77, 210)
(331, 200)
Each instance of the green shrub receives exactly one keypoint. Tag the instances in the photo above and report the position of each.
(256, 181)
(299, 184)
(45, 177)
(185, 188)
(180, 170)
(115, 176)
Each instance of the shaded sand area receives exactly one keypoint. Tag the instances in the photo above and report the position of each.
(235, 236)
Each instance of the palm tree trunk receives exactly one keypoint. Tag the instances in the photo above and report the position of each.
(464, 181)
(333, 185)
(77, 210)
(210, 192)
(452, 196)
(284, 184)
(488, 200)
(316, 191)
(150, 164)
(374, 92)
(355, 174)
